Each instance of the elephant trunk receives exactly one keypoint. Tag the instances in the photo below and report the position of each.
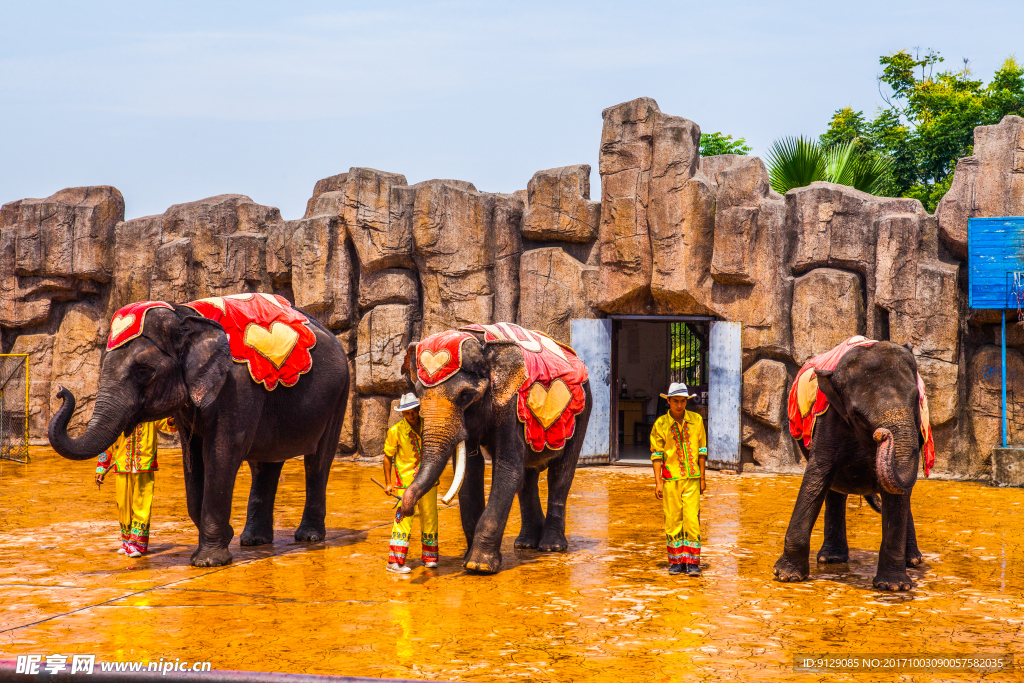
(108, 421)
(896, 460)
(435, 458)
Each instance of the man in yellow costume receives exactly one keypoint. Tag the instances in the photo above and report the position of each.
(402, 450)
(679, 448)
(133, 459)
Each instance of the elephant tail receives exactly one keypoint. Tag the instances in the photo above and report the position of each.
(874, 502)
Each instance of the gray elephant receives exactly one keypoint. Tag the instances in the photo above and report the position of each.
(225, 379)
(523, 398)
(867, 430)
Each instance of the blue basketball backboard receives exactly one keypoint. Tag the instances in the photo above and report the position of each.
(995, 262)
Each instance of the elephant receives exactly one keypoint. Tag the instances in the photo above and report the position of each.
(180, 365)
(475, 410)
(867, 442)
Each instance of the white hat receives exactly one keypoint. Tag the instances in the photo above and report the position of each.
(678, 390)
(407, 402)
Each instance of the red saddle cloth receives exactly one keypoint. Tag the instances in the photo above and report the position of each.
(552, 395)
(264, 332)
(807, 401)
(548, 400)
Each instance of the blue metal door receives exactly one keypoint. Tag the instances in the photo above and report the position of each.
(592, 341)
(725, 360)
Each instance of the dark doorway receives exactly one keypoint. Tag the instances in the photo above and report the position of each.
(649, 353)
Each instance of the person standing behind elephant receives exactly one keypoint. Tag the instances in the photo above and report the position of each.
(678, 452)
(133, 458)
(402, 450)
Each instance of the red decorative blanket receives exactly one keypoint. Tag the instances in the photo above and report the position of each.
(550, 398)
(265, 332)
(128, 321)
(552, 395)
(807, 401)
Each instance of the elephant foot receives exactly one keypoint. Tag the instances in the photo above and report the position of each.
(914, 558)
(892, 581)
(253, 537)
(211, 557)
(553, 542)
(789, 571)
(526, 542)
(307, 533)
(484, 563)
(833, 555)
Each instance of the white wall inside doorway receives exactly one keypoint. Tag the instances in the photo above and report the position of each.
(643, 359)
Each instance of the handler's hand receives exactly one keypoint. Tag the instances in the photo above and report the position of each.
(702, 485)
(658, 490)
(389, 489)
(99, 478)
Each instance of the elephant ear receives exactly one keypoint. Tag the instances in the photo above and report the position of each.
(506, 369)
(827, 387)
(205, 357)
(409, 365)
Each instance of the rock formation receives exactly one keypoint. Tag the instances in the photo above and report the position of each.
(382, 263)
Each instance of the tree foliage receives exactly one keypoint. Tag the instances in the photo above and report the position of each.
(928, 120)
(797, 162)
(713, 144)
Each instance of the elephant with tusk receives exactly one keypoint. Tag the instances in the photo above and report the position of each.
(522, 398)
(228, 370)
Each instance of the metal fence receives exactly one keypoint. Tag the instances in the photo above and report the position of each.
(686, 354)
(14, 406)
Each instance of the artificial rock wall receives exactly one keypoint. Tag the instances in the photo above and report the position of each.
(382, 263)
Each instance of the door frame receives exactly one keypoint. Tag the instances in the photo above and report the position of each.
(613, 442)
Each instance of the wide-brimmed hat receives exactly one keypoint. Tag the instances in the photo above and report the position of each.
(407, 402)
(678, 390)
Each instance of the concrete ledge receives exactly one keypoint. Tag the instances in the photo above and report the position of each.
(1008, 466)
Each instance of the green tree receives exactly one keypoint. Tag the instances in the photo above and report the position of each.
(797, 162)
(928, 120)
(713, 144)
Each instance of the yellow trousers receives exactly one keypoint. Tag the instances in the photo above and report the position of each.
(681, 502)
(134, 506)
(401, 530)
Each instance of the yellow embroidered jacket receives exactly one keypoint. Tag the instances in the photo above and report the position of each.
(137, 453)
(402, 447)
(679, 446)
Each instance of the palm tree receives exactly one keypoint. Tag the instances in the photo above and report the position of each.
(798, 162)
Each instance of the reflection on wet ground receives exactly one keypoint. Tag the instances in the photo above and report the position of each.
(607, 610)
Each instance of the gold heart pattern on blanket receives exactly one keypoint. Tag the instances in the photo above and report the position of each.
(432, 362)
(120, 324)
(274, 344)
(547, 405)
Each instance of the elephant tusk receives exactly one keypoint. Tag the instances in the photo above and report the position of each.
(460, 473)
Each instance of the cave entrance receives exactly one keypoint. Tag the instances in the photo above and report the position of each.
(632, 359)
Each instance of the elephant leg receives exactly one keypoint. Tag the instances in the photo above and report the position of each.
(222, 456)
(794, 565)
(506, 481)
(914, 556)
(834, 549)
(313, 528)
(560, 476)
(259, 518)
(530, 512)
(892, 556)
(193, 469)
(471, 497)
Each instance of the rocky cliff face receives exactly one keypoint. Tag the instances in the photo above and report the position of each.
(382, 263)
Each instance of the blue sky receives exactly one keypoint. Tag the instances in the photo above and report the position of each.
(173, 104)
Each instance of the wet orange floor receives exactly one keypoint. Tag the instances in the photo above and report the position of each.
(605, 611)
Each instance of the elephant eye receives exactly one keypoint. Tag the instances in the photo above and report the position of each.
(143, 373)
(464, 398)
